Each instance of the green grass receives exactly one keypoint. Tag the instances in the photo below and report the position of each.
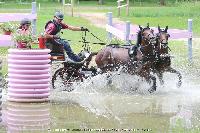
(174, 17)
(3, 54)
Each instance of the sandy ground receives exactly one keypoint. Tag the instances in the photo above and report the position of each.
(97, 19)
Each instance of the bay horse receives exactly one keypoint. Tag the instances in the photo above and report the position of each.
(163, 62)
(111, 58)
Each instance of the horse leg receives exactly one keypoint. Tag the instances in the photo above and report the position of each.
(160, 77)
(120, 70)
(109, 78)
(153, 87)
(172, 70)
(149, 78)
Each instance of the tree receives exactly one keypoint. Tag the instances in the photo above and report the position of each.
(162, 2)
(101, 2)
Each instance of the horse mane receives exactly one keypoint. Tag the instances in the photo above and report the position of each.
(139, 38)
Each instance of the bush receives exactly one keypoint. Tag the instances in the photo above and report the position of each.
(8, 27)
(26, 39)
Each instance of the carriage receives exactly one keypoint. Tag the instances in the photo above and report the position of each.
(152, 61)
(68, 72)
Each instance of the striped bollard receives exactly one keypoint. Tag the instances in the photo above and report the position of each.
(1, 88)
(28, 75)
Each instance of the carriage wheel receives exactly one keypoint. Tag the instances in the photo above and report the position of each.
(64, 78)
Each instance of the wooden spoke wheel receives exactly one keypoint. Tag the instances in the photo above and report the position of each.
(64, 78)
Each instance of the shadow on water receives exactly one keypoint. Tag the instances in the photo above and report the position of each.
(124, 105)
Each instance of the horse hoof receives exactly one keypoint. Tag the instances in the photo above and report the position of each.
(152, 90)
(179, 84)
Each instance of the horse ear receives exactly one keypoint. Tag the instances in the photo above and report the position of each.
(166, 28)
(148, 25)
(159, 28)
(140, 27)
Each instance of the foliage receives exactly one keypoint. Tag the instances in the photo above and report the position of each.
(8, 27)
(23, 38)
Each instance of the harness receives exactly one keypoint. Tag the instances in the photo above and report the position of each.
(132, 50)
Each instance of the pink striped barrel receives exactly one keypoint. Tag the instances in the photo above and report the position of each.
(28, 75)
(1, 87)
(26, 117)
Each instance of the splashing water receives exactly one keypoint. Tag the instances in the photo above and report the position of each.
(129, 94)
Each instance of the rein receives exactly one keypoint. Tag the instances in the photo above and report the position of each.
(95, 36)
(165, 45)
(85, 41)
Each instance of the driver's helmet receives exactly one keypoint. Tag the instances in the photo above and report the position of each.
(25, 21)
(59, 15)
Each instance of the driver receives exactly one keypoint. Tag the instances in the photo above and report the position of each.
(53, 27)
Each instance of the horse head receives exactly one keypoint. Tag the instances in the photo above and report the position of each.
(162, 37)
(147, 34)
(147, 40)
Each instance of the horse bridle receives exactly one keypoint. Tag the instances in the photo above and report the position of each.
(163, 44)
(151, 41)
